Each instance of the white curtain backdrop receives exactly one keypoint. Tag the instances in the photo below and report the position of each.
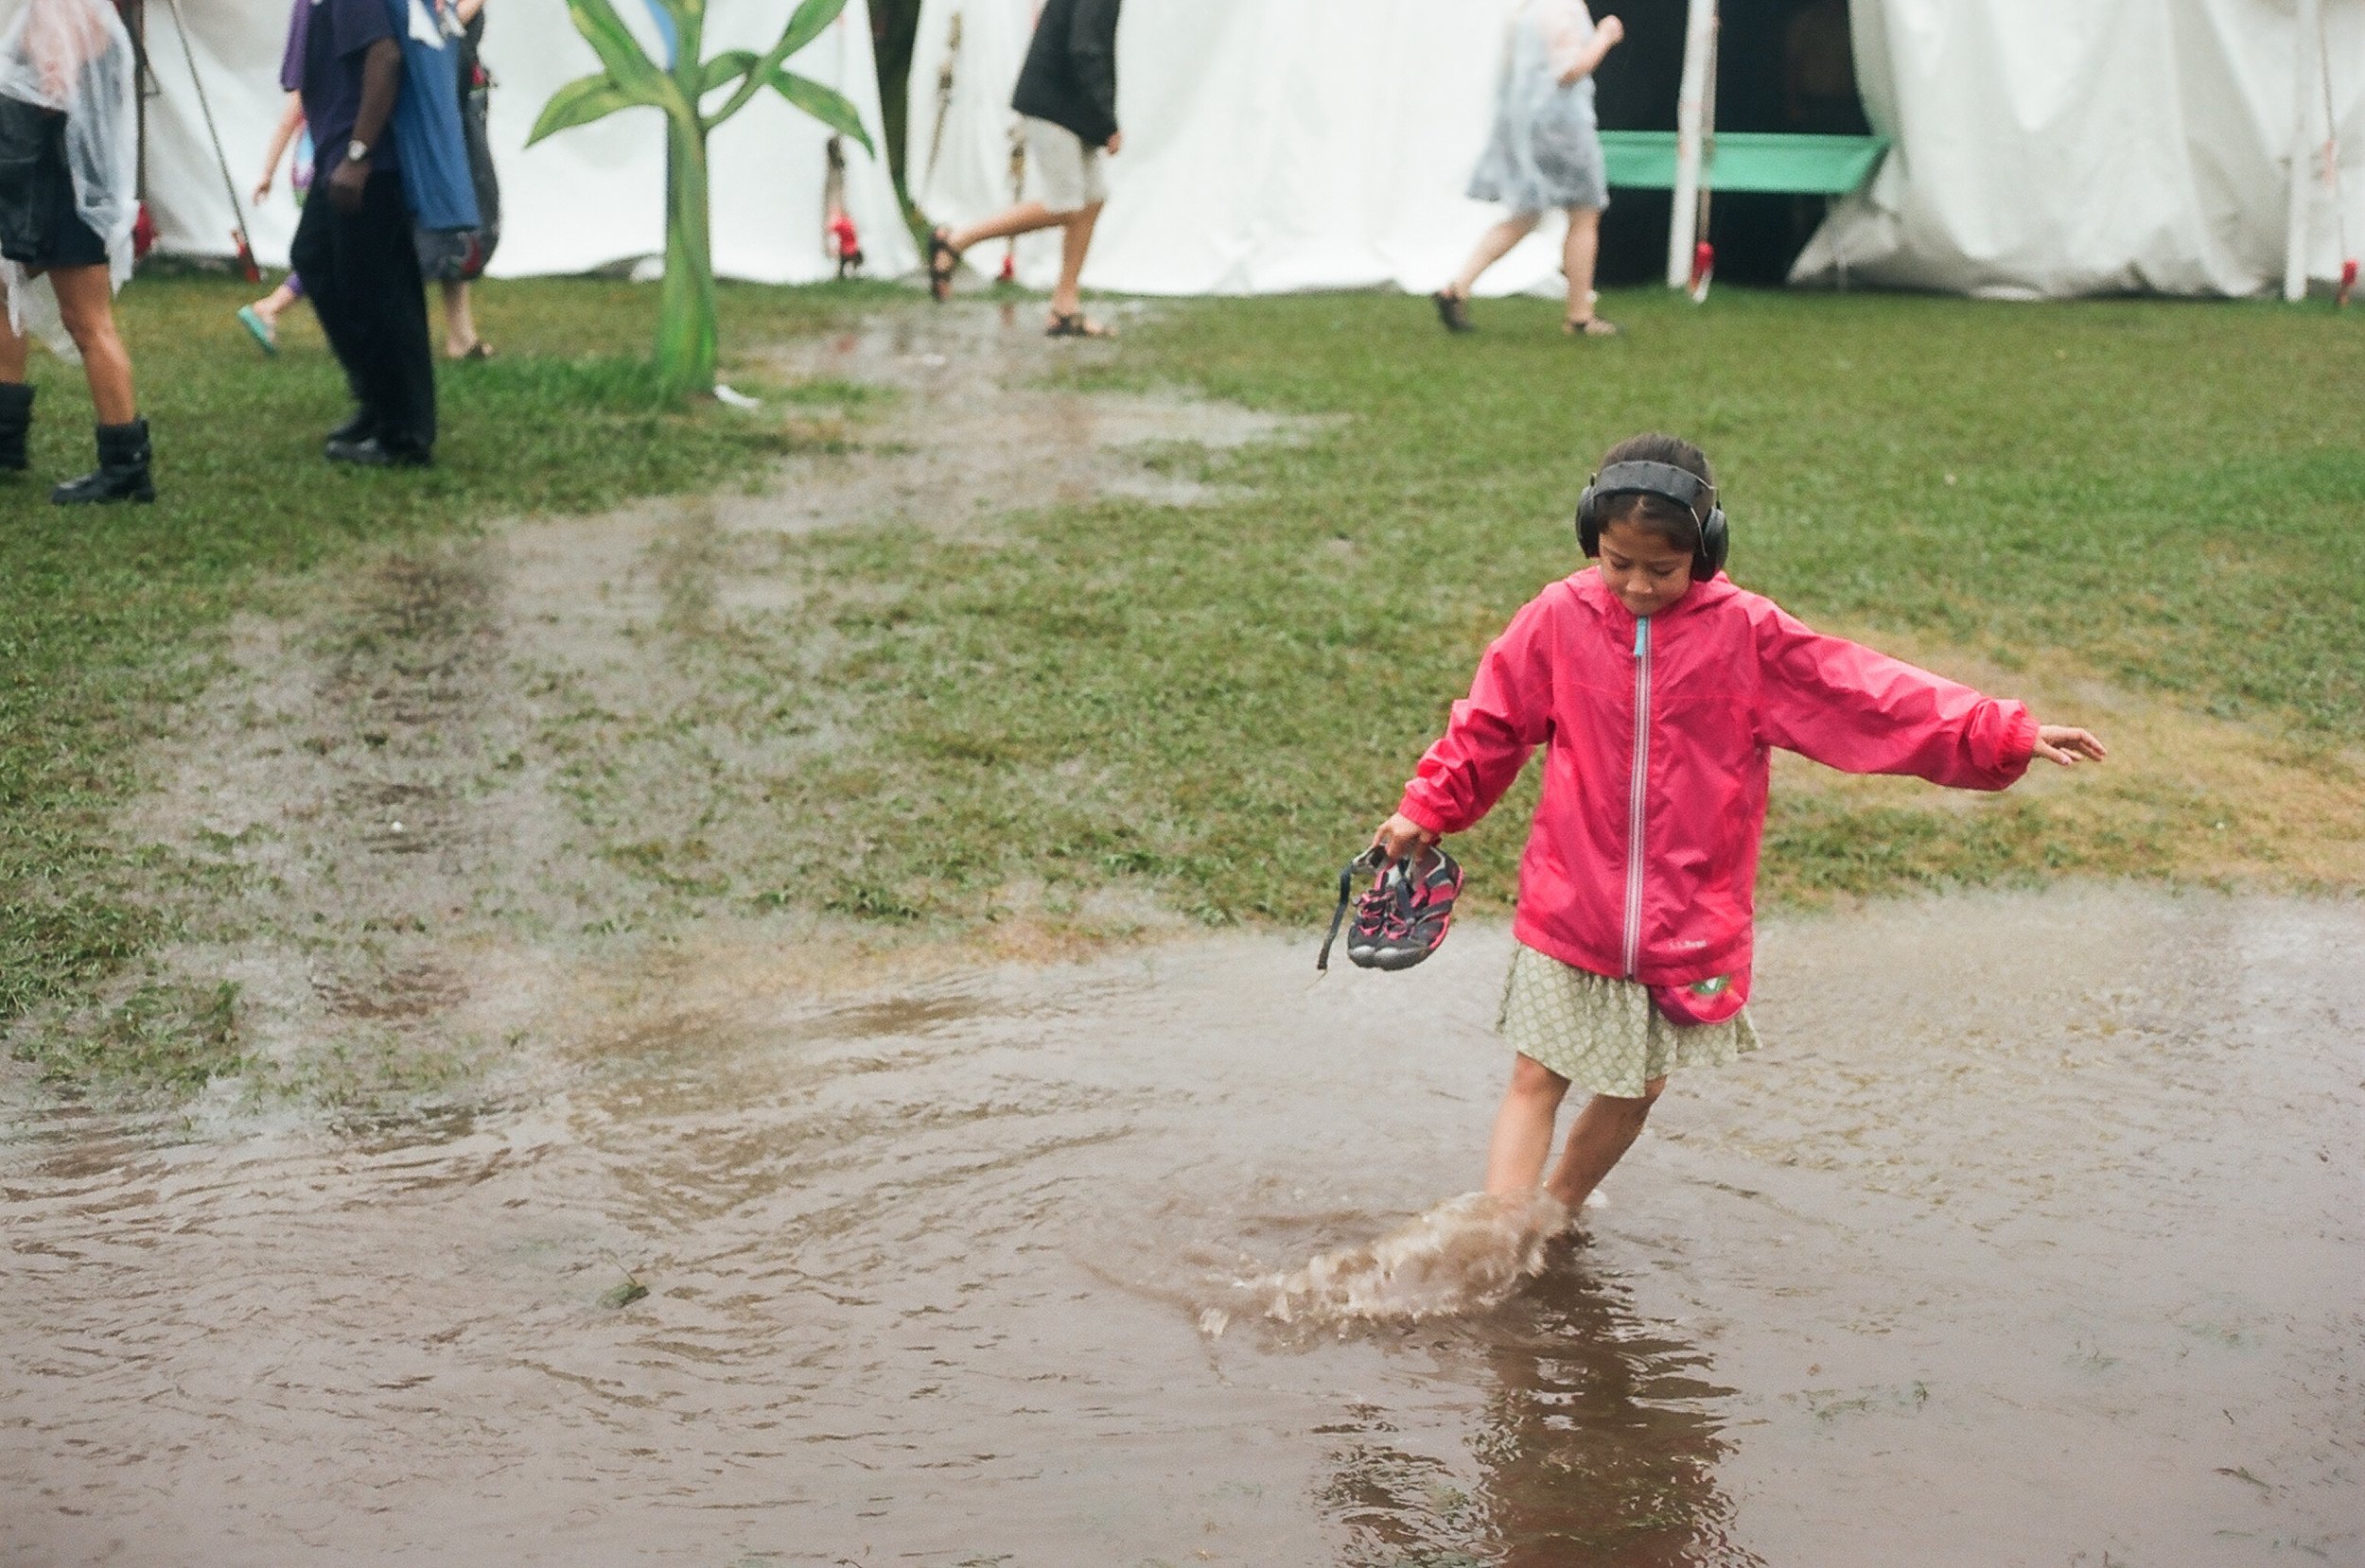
(2040, 149)
(1271, 145)
(580, 199)
(2113, 146)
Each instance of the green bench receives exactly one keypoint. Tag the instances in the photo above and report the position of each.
(1774, 161)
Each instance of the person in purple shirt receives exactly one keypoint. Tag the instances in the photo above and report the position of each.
(354, 246)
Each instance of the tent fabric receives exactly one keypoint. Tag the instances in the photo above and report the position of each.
(1269, 145)
(2037, 149)
(582, 200)
(2118, 145)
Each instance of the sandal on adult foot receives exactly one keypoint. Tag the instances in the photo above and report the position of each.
(1589, 326)
(1453, 310)
(265, 332)
(942, 262)
(1077, 326)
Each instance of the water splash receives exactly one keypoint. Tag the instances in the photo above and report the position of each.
(1465, 1254)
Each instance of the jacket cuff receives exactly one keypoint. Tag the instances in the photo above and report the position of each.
(1420, 815)
(2021, 744)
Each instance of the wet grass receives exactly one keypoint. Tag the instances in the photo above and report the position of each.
(1220, 701)
(110, 619)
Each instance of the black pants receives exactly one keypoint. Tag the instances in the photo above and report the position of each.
(361, 271)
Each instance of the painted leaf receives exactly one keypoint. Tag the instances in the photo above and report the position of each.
(831, 106)
(805, 25)
(727, 66)
(580, 102)
(597, 20)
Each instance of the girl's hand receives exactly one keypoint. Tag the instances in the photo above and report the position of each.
(262, 192)
(1400, 836)
(2060, 744)
(1609, 32)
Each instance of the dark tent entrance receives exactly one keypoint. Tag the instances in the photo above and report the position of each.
(1788, 132)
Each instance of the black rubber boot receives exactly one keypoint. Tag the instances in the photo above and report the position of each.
(122, 472)
(16, 417)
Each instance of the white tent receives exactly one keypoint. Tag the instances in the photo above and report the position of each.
(1271, 145)
(2106, 146)
(583, 198)
(2039, 148)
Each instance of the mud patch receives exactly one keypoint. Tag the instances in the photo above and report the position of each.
(475, 790)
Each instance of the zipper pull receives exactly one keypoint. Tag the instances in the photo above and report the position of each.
(1641, 636)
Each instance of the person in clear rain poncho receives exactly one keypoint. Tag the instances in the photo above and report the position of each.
(68, 168)
(1545, 153)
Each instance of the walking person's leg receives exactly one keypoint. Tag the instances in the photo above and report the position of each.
(399, 353)
(460, 338)
(320, 255)
(86, 305)
(1067, 301)
(1577, 256)
(1453, 300)
(1599, 1138)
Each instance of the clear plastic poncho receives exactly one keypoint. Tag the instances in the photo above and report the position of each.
(74, 56)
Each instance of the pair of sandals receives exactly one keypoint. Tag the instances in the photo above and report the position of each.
(943, 261)
(1453, 310)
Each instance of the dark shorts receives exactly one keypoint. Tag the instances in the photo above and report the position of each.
(39, 227)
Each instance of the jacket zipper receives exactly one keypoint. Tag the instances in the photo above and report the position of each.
(1634, 793)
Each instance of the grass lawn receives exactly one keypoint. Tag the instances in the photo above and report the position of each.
(2148, 517)
(109, 616)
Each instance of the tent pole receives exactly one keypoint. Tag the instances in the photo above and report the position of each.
(1691, 155)
(2304, 34)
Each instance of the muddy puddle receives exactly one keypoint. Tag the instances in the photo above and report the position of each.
(2032, 1237)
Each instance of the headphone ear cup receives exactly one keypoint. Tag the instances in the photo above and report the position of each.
(1715, 544)
(1588, 526)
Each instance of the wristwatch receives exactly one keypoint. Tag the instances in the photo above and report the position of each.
(356, 152)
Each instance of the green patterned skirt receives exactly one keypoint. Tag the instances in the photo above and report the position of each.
(1602, 1033)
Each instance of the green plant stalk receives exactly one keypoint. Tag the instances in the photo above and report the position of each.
(686, 334)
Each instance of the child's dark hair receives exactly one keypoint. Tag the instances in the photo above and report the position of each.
(1656, 514)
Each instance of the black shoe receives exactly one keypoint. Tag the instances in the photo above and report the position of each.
(362, 426)
(370, 452)
(122, 471)
(16, 417)
(1453, 310)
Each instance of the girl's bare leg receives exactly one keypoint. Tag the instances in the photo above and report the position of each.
(1523, 1128)
(1075, 240)
(1493, 246)
(1602, 1133)
(1025, 218)
(459, 321)
(86, 301)
(1576, 256)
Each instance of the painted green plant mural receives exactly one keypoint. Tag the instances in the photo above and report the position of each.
(680, 87)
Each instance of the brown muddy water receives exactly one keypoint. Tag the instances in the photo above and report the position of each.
(2033, 1236)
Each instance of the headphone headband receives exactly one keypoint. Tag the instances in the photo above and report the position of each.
(1664, 480)
(1667, 482)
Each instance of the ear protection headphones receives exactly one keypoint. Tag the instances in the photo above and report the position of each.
(1669, 483)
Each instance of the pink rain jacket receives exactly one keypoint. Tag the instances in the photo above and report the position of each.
(1642, 862)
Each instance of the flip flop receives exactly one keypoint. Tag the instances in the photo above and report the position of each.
(252, 321)
(1077, 326)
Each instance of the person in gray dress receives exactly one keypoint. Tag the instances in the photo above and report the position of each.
(1545, 153)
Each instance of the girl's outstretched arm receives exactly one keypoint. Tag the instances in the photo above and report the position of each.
(1861, 711)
